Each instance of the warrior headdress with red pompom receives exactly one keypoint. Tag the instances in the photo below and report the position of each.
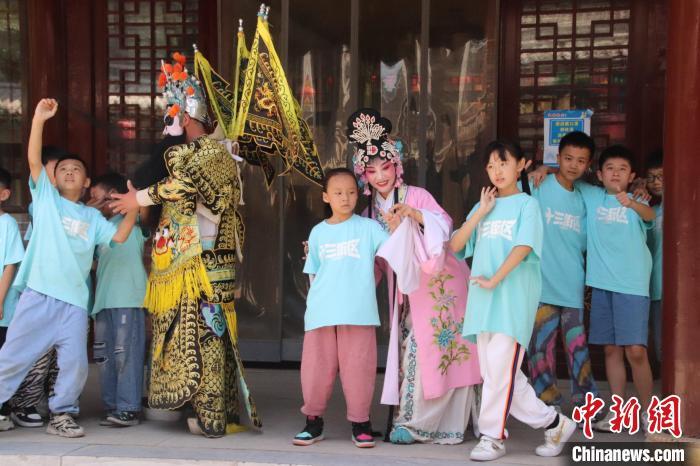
(183, 92)
(369, 132)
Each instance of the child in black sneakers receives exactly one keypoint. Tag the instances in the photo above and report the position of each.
(120, 333)
(341, 312)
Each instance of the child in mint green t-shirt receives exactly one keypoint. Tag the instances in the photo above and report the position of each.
(503, 233)
(120, 333)
(655, 186)
(341, 312)
(11, 254)
(52, 310)
(618, 268)
(563, 276)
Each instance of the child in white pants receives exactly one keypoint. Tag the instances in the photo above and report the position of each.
(509, 394)
(503, 233)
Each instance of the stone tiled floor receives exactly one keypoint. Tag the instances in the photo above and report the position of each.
(278, 396)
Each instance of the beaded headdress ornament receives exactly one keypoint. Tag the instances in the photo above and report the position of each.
(369, 132)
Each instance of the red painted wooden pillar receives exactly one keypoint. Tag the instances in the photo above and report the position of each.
(681, 364)
(45, 63)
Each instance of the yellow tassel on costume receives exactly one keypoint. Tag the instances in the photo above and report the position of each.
(231, 320)
(162, 261)
(166, 290)
(235, 428)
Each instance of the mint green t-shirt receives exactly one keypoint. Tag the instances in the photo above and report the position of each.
(121, 276)
(564, 220)
(618, 258)
(655, 243)
(11, 252)
(511, 306)
(28, 232)
(341, 256)
(60, 251)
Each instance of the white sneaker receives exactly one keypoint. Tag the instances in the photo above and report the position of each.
(487, 449)
(63, 425)
(556, 437)
(604, 424)
(6, 423)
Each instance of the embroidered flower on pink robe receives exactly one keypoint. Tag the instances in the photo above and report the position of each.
(446, 330)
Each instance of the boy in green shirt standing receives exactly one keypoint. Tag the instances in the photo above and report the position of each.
(120, 335)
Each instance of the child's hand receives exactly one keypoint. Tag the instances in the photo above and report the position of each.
(623, 199)
(638, 183)
(483, 282)
(537, 176)
(487, 201)
(45, 109)
(98, 203)
(641, 195)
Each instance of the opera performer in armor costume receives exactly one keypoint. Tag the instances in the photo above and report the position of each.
(194, 351)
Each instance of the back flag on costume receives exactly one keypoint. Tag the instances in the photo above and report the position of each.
(261, 113)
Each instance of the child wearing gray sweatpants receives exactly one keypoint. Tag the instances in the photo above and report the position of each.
(52, 310)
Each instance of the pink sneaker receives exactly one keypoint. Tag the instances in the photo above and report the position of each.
(362, 435)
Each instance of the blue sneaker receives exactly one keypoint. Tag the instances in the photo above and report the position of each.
(362, 434)
(312, 432)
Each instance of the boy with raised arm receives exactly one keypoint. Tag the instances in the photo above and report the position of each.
(52, 310)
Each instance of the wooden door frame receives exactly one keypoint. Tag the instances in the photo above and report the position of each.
(508, 70)
(643, 129)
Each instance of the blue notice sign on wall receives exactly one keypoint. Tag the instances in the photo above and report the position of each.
(557, 124)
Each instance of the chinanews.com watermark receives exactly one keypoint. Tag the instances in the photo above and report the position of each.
(628, 453)
(662, 416)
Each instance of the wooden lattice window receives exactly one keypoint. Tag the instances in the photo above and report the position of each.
(141, 33)
(573, 54)
(11, 101)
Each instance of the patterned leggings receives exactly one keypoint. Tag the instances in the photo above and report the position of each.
(38, 383)
(542, 354)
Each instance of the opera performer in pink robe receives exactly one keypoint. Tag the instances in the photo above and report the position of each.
(431, 370)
